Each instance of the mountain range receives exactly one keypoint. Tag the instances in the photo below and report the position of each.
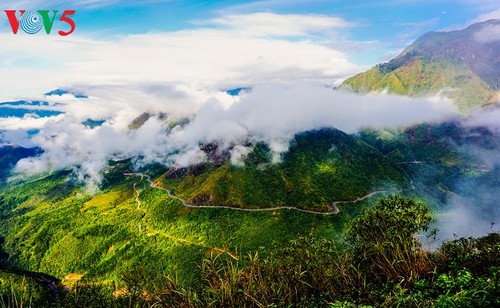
(148, 221)
(462, 64)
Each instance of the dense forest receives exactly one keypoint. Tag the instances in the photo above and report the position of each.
(133, 244)
(380, 262)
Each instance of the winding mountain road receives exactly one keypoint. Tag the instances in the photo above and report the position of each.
(153, 231)
(186, 204)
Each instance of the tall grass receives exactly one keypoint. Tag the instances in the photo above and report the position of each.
(16, 295)
(381, 263)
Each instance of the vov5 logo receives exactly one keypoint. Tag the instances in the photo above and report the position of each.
(32, 22)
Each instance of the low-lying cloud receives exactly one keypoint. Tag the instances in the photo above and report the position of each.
(176, 81)
(488, 34)
(485, 117)
(471, 207)
(183, 119)
(471, 216)
(472, 210)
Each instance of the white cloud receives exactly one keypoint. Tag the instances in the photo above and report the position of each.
(461, 220)
(487, 16)
(473, 210)
(272, 112)
(271, 24)
(488, 34)
(15, 137)
(263, 5)
(180, 74)
(269, 113)
(238, 153)
(484, 117)
(26, 123)
(233, 55)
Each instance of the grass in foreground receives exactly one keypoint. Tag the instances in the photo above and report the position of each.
(381, 263)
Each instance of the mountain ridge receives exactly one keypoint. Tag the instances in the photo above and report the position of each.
(462, 64)
(321, 166)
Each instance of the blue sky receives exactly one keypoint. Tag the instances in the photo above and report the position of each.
(383, 16)
(395, 23)
(178, 58)
(220, 44)
(398, 21)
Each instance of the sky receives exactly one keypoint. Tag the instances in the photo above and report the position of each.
(179, 58)
(174, 60)
(218, 44)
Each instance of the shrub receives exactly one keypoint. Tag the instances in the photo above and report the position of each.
(384, 242)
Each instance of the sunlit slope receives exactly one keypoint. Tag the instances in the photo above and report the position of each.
(460, 63)
(319, 168)
(51, 226)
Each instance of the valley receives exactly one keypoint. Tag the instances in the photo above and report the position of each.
(261, 196)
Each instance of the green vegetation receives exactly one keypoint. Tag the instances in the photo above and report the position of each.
(441, 158)
(320, 167)
(132, 245)
(20, 291)
(383, 240)
(50, 226)
(433, 63)
(381, 264)
(421, 77)
(9, 156)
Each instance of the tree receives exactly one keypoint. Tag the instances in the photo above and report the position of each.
(384, 240)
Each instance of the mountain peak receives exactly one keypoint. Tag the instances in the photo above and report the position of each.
(466, 61)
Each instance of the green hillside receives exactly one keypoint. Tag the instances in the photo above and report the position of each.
(50, 227)
(130, 236)
(454, 62)
(320, 167)
(440, 158)
(383, 264)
